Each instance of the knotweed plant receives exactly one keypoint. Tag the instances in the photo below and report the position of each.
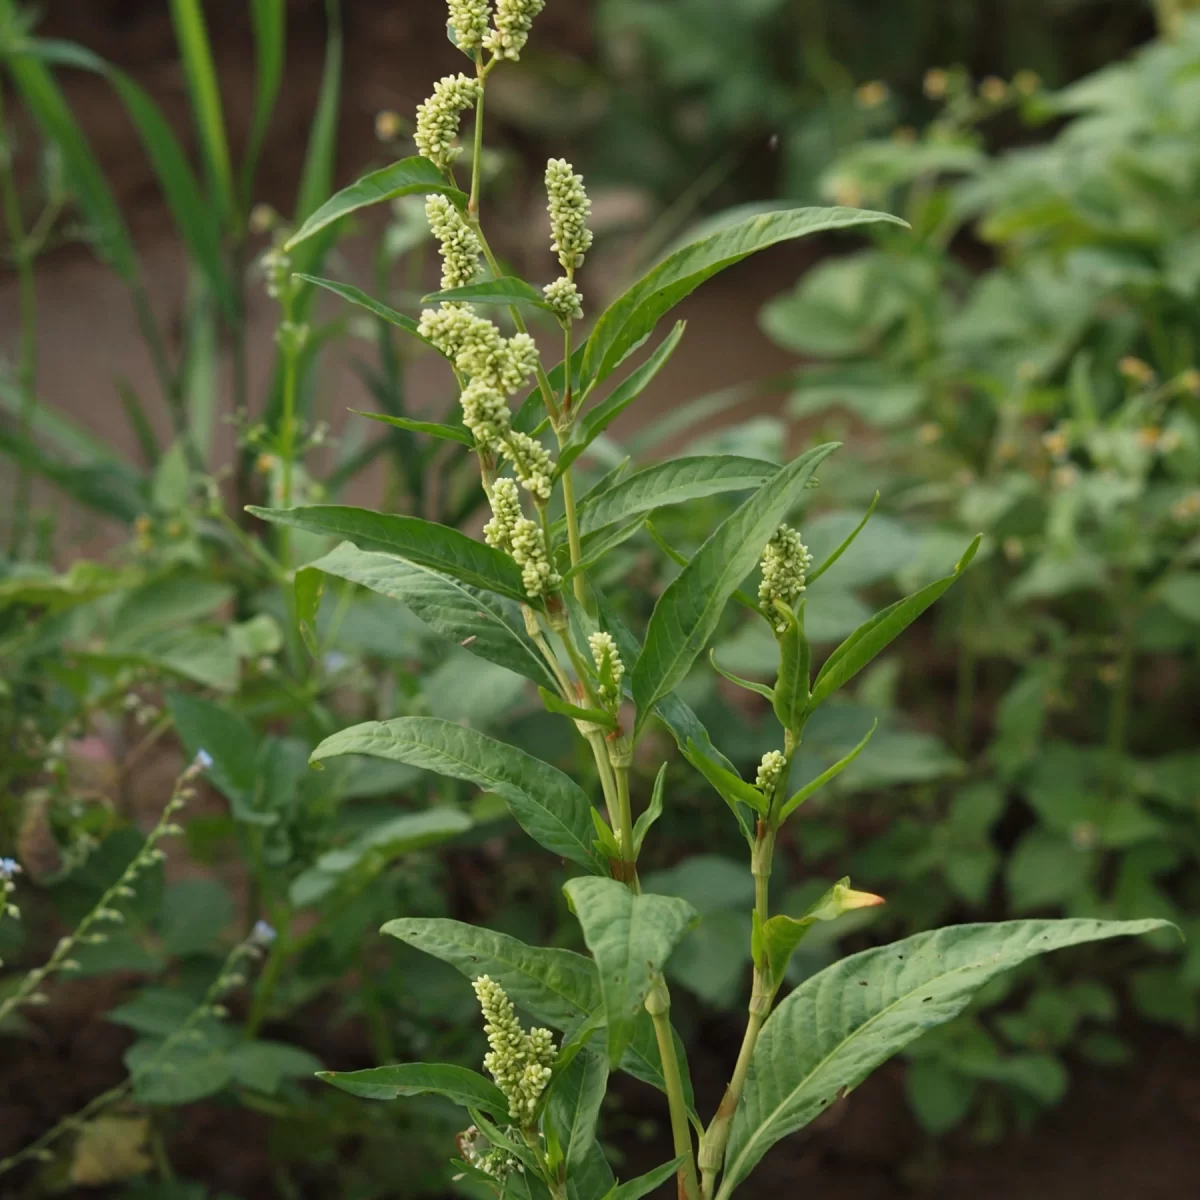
(526, 598)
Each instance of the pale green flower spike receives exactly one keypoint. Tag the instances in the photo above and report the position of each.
(510, 31)
(485, 414)
(609, 666)
(529, 553)
(532, 463)
(784, 563)
(519, 1062)
(438, 118)
(506, 512)
(563, 296)
(483, 354)
(470, 21)
(569, 207)
(448, 327)
(770, 770)
(460, 247)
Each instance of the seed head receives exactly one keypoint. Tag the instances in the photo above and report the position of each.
(438, 118)
(563, 297)
(519, 1062)
(460, 247)
(609, 666)
(569, 207)
(470, 21)
(784, 563)
(770, 771)
(532, 463)
(485, 414)
(506, 514)
(510, 27)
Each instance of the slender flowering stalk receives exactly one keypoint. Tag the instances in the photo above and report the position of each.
(519, 1062)
(107, 911)
(785, 562)
(569, 208)
(609, 667)
(459, 245)
(770, 772)
(231, 975)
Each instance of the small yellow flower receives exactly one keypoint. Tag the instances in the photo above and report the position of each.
(929, 433)
(175, 529)
(1027, 82)
(1066, 476)
(846, 192)
(143, 525)
(1136, 369)
(1148, 436)
(388, 125)
(936, 83)
(1056, 443)
(872, 94)
(264, 463)
(1014, 549)
(263, 218)
(993, 90)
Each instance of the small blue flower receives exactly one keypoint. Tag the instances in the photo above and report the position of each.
(9, 867)
(204, 760)
(263, 934)
(336, 661)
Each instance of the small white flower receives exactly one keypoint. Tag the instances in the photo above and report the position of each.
(438, 118)
(511, 25)
(263, 934)
(569, 208)
(204, 760)
(609, 666)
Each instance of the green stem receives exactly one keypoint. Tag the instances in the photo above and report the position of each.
(27, 373)
(574, 541)
(716, 1137)
(625, 818)
(477, 156)
(277, 958)
(658, 1005)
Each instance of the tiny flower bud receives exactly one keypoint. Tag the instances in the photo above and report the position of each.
(263, 934)
(470, 21)
(609, 666)
(873, 94)
(510, 27)
(388, 125)
(569, 207)
(936, 83)
(563, 297)
(993, 90)
(460, 248)
(770, 770)
(438, 118)
(519, 1062)
(784, 563)
(1136, 370)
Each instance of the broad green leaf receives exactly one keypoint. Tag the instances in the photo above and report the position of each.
(85, 581)
(198, 222)
(790, 696)
(547, 804)
(458, 1084)
(870, 639)
(632, 316)
(370, 304)
(574, 1105)
(776, 939)
(596, 420)
(447, 433)
(191, 35)
(508, 289)
(179, 1074)
(263, 1066)
(555, 987)
(424, 543)
(631, 936)
(597, 545)
(194, 914)
(225, 737)
(831, 1032)
(674, 482)
(688, 612)
(410, 176)
(643, 1185)
(269, 19)
(653, 811)
(821, 780)
(483, 623)
(156, 1012)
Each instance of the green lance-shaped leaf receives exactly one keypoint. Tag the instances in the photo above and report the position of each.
(555, 987)
(446, 433)
(483, 623)
(191, 35)
(775, 939)
(195, 217)
(369, 304)
(422, 542)
(632, 316)
(652, 813)
(821, 780)
(574, 1105)
(508, 289)
(555, 704)
(749, 685)
(631, 936)
(687, 613)
(547, 804)
(871, 638)
(837, 1027)
(464, 1087)
(790, 697)
(845, 544)
(643, 1185)
(410, 176)
(596, 420)
(674, 482)
(732, 788)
